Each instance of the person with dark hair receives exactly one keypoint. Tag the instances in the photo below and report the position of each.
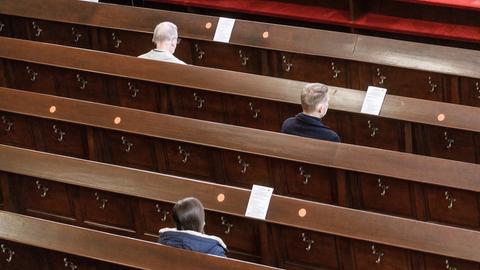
(314, 99)
(189, 217)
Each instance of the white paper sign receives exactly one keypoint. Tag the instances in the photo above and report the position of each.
(373, 100)
(258, 203)
(95, 1)
(224, 30)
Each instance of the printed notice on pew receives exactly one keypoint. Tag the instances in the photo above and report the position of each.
(224, 30)
(372, 104)
(259, 201)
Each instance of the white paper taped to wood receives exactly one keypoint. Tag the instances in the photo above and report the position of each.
(224, 30)
(259, 201)
(372, 104)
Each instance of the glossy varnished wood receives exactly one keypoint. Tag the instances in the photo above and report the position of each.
(429, 237)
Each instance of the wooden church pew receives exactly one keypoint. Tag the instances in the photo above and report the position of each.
(346, 60)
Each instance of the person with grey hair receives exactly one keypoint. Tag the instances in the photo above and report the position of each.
(189, 217)
(165, 38)
(314, 99)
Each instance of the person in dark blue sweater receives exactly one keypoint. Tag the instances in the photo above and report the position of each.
(189, 217)
(314, 99)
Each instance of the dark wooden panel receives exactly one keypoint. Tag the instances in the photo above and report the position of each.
(309, 68)
(386, 195)
(470, 92)
(190, 160)
(21, 29)
(32, 77)
(377, 132)
(4, 26)
(184, 49)
(423, 85)
(3, 73)
(55, 32)
(302, 249)
(453, 206)
(62, 261)
(106, 211)
(226, 56)
(130, 150)
(244, 170)
(433, 262)
(125, 42)
(47, 199)
(370, 256)
(310, 182)
(254, 113)
(447, 143)
(198, 104)
(16, 130)
(155, 215)
(16, 256)
(241, 235)
(81, 85)
(63, 138)
(138, 94)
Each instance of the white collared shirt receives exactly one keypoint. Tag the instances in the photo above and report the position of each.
(162, 55)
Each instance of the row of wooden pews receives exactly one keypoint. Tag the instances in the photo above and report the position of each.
(36, 244)
(236, 142)
(340, 59)
(322, 237)
(408, 125)
(322, 215)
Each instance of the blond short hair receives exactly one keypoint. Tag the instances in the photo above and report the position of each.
(312, 95)
(164, 31)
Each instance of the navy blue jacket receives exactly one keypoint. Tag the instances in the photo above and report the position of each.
(310, 127)
(192, 241)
